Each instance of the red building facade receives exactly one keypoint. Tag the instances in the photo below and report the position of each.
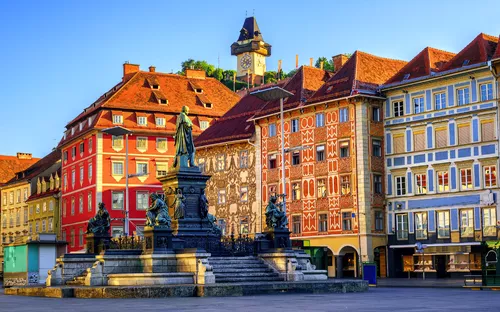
(93, 162)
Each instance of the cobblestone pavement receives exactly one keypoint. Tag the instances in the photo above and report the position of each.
(376, 299)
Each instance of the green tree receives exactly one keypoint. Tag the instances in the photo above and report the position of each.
(327, 64)
(218, 74)
(200, 65)
(291, 73)
(229, 74)
(270, 76)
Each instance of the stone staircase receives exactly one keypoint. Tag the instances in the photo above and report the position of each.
(77, 281)
(242, 269)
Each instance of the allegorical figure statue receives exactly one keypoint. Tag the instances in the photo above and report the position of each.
(179, 205)
(157, 213)
(184, 145)
(203, 205)
(275, 217)
(101, 222)
(215, 227)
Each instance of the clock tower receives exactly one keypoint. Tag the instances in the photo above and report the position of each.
(251, 52)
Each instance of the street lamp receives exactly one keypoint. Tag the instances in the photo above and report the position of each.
(120, 131)
(271, 94)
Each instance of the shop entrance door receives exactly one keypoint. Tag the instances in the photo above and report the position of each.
(441, 266)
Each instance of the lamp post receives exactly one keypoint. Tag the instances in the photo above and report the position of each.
(120, 131)
(271, 94)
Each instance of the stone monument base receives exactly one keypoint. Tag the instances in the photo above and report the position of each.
(97, 243)
(279, 239)
(157, 240)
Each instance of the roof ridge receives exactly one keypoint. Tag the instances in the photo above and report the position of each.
(381, 57)
(488, 37)
(440, 50)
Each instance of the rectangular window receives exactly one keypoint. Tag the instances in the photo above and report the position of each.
(419, 141)
(90, 145)
(295, 125)
(161, 169)
(117, 231)
(320, 120)
(73, 178)
(321, 188)
(344, 149)
(142, 200)
(51, 224)
(221, 162)
(398, 108)
(244, 194)
(379, 220)
(117, 119)
(272, 161)
(486, 91)
(440, 100)
(82, 174)
(65, 155)
(344, 114)
(402, 226)
(272, 130)
(89, 173)
(400, 186)
(117, 168)
(466, 223)
(80, 204)
(487, 130)
(418, 105)
(377, 184)
(222, 225)
(296, 224)
(490, 176)
(204, 124)
(399, 143)
(376, 113)
(201, 164)
(82, 148)
(463, 134)
(142, 143)
(117, 198)
(18, 196)
(443, 182)
(80, 237)
(72, 236)
(346, 221)
(345, 184)
(466, 179)
(296, 191)
(296, 158)
(89, 202)
(221, 197)
(421, 225)
(489, 222)
(443, 224)
(11, 197)
(142, 121)
(244, 159)
(160, 121)
(73, 152)
(142, 168)
(72, 207)
(117, 141)
(323, 222)
(161, 144)
(320, 153)
(441, 137)
(420, 184)
(377, 148)
(463, 96)
(25, 215)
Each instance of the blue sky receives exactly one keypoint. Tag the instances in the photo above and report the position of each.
(58, 56)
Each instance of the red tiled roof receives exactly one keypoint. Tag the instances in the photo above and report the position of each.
(497, 52)
(479, 50)
(427, 61)
(38, 167)
(234, 125)
(303, 84)
(9, 165)
(362, 73)
(42, 195)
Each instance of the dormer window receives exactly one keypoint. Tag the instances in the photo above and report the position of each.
(465, 63)
(208, 105)
(155, 87)
(117, 119)
(80, 127)
(204, 124)
(72, 130)
(142, 121)
(198, 90)
(160, 122)
(163, 101)
(406, 77)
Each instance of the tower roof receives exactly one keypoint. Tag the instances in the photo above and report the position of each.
(250, 30)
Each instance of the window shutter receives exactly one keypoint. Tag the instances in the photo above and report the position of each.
(419, 141)
(441, 138)
(399, 144)
(487, 131)
(463, 134)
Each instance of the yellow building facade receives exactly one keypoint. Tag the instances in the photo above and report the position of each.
(15, 211)
(43, 216)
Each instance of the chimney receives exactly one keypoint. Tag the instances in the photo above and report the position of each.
(24, 156)
(339, 61)
(152, 69)
(129, 68)
(195, 73)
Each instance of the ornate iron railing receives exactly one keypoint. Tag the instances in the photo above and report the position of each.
(231, 245)
(126, 243)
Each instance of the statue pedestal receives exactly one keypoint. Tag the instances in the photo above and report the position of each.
(157, 240)
(279, 238)
(97, 243)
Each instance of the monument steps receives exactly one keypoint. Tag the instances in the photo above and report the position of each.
(77, 281)
(242, 269)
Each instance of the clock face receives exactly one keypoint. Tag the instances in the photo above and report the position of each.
(246, 61)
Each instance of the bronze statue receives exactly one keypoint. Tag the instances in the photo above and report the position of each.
(179, 205)
(100, 223)
(184, 144)
(157, 213)
(215, 227)
(275, 217)
(203, 204)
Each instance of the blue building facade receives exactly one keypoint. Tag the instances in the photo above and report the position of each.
(441, 161)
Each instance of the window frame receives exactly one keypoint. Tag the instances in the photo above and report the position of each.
(345, 184)
(320, 152)
(140, 119)
(379, 220)
(421, 226)
(418, 102)
(272, 130)
(468, 230)
(244, 194)
(378, 185)
(117, 119)
(441, 178)
(489, 91)
(376, 114)
(244, 159)
(402, 183)
(491, 222)
(343, 114)
(138, 194)
(296, 224)
(376, 147)
(398, 109)
(342, 148)
(113, 169)
(323, 222)
(468, 179)
(442, 100)
(443, 230)
(402, 226)
(161, 149)
(295, 158)
(420, 183)
(273, 159)
(296, 191)
(346, 220)
(295, 125)
(490, 182)
(465, 97)
(113, 193)
(139, 164)
(320, 120)
(321, 188)
(221, 196)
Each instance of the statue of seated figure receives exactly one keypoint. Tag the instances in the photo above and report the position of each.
(157, 213)
(275, 217)
(100, 223)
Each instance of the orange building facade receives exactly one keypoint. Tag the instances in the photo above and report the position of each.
(334, 164)
(93, 162)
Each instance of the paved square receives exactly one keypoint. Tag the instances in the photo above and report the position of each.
(376, 299)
